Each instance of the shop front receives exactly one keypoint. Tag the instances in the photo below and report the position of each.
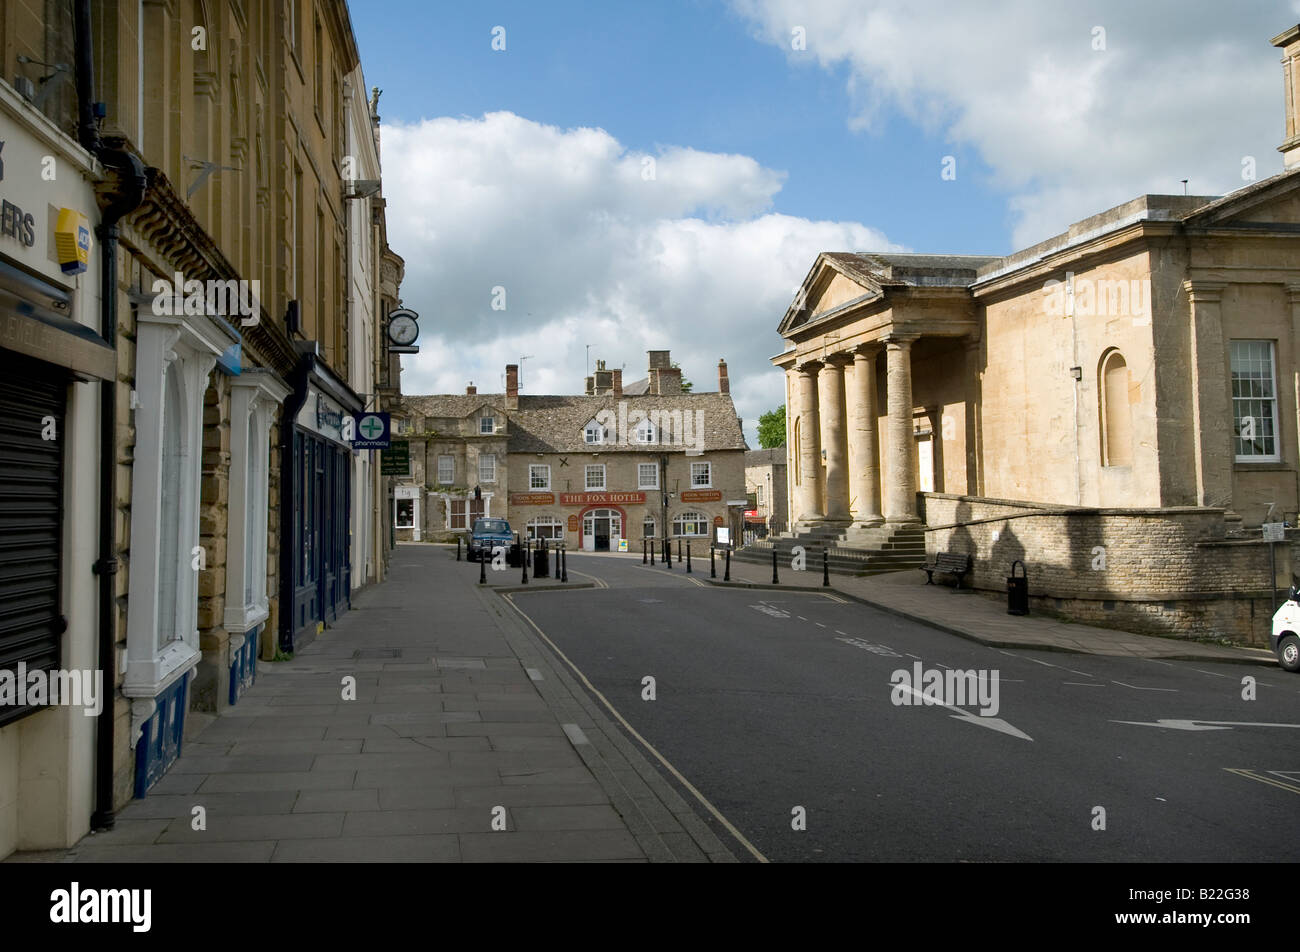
(316, 544)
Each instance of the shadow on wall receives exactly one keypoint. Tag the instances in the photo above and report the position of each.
(1006, 551)
(960, 539)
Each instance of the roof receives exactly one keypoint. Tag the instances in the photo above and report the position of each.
(775, 456)
(555, 424)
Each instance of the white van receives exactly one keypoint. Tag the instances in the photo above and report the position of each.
(1285, 640)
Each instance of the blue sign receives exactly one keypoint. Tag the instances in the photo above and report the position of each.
(373, 431)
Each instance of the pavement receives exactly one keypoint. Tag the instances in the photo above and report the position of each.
(982, 617)
(465, 742)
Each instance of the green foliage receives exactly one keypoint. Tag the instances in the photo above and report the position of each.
(771, 428)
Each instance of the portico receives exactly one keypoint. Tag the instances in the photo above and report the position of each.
(851, 339)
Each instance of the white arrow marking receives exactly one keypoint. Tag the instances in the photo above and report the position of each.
(996, 723)
(1193, 725)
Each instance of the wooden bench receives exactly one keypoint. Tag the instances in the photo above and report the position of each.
(948, 563)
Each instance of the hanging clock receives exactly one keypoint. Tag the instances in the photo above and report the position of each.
(402, 328)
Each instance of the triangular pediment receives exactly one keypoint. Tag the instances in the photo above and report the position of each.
(834, 281)
(1273, 201)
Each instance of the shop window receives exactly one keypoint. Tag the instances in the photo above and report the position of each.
(404, 517)
(545, 527)
(690, 524)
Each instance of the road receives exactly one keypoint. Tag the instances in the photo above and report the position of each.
(776, 703)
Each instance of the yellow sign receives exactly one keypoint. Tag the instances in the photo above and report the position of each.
(72, 241)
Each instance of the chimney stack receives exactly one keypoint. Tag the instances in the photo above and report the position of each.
(724, 385)
(512, 386)
(471, 390)
(616, 382)
(1289, 42)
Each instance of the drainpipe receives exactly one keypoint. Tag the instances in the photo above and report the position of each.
(130, 190)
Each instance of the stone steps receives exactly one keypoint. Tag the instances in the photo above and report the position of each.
(858, 552)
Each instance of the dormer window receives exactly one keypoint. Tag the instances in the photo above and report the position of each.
(487, 425)
(645, 432)
(595, 433)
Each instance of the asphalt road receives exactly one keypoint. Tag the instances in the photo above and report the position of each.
(774, 703)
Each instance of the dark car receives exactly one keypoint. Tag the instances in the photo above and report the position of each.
(486, 535)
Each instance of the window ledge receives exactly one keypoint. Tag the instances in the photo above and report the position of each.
(150, 677)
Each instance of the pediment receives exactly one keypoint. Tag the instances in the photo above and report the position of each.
(1274, 201)
(830, 284)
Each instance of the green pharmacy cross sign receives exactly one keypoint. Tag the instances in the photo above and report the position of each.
(373, 431)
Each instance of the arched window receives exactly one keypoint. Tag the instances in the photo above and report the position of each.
(545, 527)
(1115, 410)
(690, 524)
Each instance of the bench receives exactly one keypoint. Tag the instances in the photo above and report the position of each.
(948, 563)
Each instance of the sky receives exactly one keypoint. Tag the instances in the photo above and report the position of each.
(627, 177)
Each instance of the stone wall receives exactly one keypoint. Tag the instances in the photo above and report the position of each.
(1162, 571)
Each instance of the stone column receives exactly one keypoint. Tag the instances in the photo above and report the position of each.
(900, 464)
(1212, 436)
(865, 461)
(835, 441)
(974, 367)
(810, 463)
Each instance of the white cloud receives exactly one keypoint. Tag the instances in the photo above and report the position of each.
(591, 251)
(1181, 90)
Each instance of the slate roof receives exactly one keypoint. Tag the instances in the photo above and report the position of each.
(555, 424)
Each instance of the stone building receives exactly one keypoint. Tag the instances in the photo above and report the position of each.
(589, 469)
(1115, 406)
(202, 150)
(765, 481)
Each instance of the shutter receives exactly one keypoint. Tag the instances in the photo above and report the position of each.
(31, 517)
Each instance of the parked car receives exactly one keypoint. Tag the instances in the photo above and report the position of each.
(1285, 640)
(486, 535)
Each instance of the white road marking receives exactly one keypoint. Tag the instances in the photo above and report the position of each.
(800, 617)
(1081, 673)
(1193, 725)
(575, 734)
(994, 723)
(1167, 664)
(1213, 674)
(1043, 663)
(534, 674)
(1136, 688)
(916, 656)
(1084, 684)
(820, 625)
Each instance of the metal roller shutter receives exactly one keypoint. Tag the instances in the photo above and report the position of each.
(31, 517)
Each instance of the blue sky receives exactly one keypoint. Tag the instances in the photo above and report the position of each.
(519, 174)
(683, 72)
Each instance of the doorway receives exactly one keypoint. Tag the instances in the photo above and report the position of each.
(598, 527)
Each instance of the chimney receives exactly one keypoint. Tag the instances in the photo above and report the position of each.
(591, 386)
(724, 385)
(604, 380)
(616, 382)
(668, 381)
(471, 390)
(512, 386)
(1289, 42)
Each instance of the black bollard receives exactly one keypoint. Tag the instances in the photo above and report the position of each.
(482, 568)
(775, 581)
(688, 557)
(523, 567)
(826, 568)
(652, 553)
(644, 546)
(727, 577)
(713, 571)
(668, 554)
(564, 564)
(457, 548)
(679, 550)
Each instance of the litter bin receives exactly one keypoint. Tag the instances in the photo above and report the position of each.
(1018, 590)
(541, 562)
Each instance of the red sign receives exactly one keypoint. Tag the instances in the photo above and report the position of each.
(573, 523)
(601, 499)
(717, 521)
(532, 499)
(702, 495)
(751, 513)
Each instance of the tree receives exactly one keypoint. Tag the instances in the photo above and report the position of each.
(686, 384)
(771, 428)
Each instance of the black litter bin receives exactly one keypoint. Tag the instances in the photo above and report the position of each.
(1018, 590)
(541, 562)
